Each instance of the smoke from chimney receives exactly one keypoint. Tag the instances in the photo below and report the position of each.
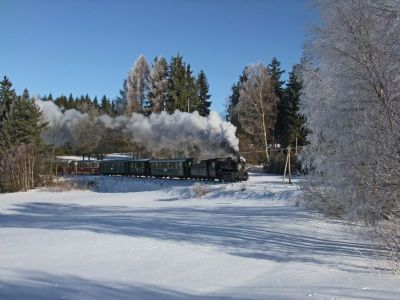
(209, 136)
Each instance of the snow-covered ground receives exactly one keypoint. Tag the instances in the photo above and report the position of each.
(133, 238)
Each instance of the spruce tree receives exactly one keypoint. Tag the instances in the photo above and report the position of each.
(7, 95)
(176, 84)
(96, 103)
(190, 101)
(24, 122)
(61, 102)
(21, 144)
(70, 103)
(276, 72)
(295, 121)
(232, 115)
(203, 96)
(114, 108)
(7, 98)
(105, 105)
(282, 121)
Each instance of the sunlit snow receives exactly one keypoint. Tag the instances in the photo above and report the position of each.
(132, 238)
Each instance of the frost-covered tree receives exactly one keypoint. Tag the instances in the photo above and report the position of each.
(136, 87)
(257, 107)
(158, 85)
(351, 99)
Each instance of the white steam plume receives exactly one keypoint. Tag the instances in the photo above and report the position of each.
(210, 136)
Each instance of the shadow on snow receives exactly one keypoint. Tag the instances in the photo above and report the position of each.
(244, 231)
(46, 286)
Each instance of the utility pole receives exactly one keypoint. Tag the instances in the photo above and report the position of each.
(287, 167)
(290, 173)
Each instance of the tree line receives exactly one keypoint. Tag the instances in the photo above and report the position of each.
(84, 104)
(161, 86)
(265, 109)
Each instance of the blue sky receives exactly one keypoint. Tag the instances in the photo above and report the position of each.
(88, 46)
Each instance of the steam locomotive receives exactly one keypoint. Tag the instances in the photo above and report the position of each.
(223, 169)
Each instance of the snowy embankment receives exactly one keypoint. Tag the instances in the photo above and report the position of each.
(133, 238)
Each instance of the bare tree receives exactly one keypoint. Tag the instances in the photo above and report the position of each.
(18, 168)
(136, 86)
(257, 107)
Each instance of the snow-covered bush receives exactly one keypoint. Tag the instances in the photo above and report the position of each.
(63, 186)
(199, 190)
(389, 232)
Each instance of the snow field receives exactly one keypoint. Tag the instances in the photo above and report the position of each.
(136, 238)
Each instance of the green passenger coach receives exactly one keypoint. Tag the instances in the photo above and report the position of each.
(139, 167)
(170, 168)
(114, 167)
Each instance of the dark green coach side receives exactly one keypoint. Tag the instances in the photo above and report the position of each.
(139, 167)
(204, 169)
(114, 167)
(170, 168)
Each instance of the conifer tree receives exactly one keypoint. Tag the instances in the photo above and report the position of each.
(176, 83)
(231, 114)
(294, 122)
(281, 125)
(96, 103)
(114, 108)
(105, 105)
(61, 102)
(21, 141)
(203, 96)
(7, 97)
(276, 72)
(70, 102)
(24, 121)
(190, 100)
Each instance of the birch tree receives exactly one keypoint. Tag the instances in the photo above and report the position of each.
(257, 107)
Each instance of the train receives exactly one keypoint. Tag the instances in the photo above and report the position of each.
(223, 169)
